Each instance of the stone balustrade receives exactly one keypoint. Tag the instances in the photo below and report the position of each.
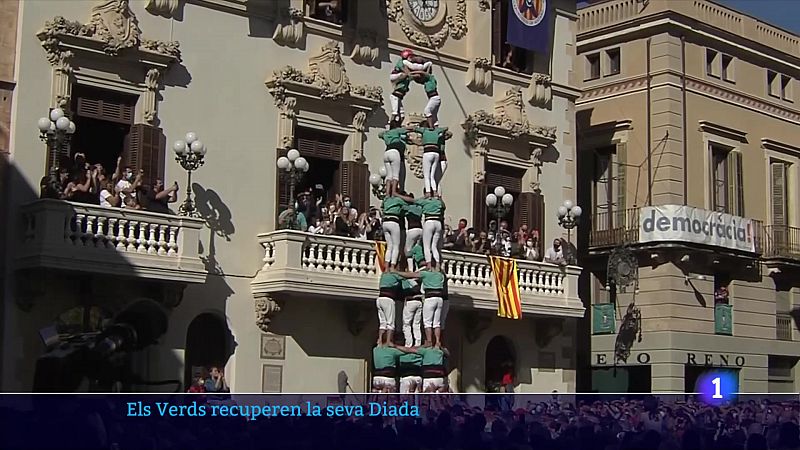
(116, 241)
(297, 263)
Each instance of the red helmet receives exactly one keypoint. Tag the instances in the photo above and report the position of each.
(407, 53)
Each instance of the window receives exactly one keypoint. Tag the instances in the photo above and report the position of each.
(779, 190)
(613, 56)
(333, 11)
(593, 66)
(786, 87)
(727, 68)
(505, 55)
(608, 187)
(727, 182)
(772, 83)
(711, 63)
(509, 178)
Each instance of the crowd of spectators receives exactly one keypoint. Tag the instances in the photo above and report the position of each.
(83, 182)
(444, 422)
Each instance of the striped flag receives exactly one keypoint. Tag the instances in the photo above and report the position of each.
(504, 272)
(380, 255)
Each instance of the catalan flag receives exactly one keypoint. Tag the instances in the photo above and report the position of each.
(380, 255)
(504, 271)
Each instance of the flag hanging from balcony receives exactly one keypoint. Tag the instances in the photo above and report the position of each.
(528, 25)
(380, 255)
(504, 272)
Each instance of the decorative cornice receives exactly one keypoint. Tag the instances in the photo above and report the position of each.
(508, 120)
(721, 130)
(326, 79)
(782, 147)
(455, 26)
(484, 5)
(747, 101)
(479, 75)
(266, 308)
(365, 48)
(540, 92)
(289, 28)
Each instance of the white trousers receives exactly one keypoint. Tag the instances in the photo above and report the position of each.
(413, 236)
(430, 161)
(406, 384)
(393, 161)
(391, 232)
(434, 312)
(385, 313)
(432, 108)
(381, 383)
(433, 385)
(412, 323)
(397, 106)
(439, 174)
(431, 235)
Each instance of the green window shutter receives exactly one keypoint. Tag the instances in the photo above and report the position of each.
(723, 319)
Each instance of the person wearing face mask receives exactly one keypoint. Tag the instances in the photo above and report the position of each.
(125, 186)
(461, 236)
(347, 203)
(531, 251)
(555, 254)
(482, 244)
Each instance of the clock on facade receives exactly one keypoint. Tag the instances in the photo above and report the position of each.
(424, 10)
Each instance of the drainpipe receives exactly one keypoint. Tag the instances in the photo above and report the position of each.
(683, 124)
(649, 139)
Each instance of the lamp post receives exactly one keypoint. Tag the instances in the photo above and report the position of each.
(499, 203)
(295, 166)
(56, 130)
(378, 182)
(569, 216)
(189, 153)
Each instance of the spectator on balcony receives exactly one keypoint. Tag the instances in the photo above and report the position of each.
(341, 224)
(52, 185)
(78, 188)
(721, 296)
(317, 226)
(361, 228)
(216, 382)
(347, 203)
(555, 254)
(109, 197)
(482, 244)
(461, 236)
(531, 249)
(126, 186)
(384, 361)
(329, 11)
(290, 219)
(434, 307)
(413, 215)
(157, 198)
(197, 386)
(375, 232)
(390, 291)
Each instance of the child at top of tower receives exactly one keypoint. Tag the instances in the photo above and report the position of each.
(406, 68)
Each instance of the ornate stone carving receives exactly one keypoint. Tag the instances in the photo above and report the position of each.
(266, 309)
(479, 74)
(289, 29)
(484, 5)
(479, 152)
(454, 26)
(365, 48)
(288, 112)
(172, 48)
(328, 70)
(509, 119)
(540, 93)
(166, 8)
(149, 99)
(359, 126)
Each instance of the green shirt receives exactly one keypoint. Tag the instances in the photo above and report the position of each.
(408, 285)
(412, 359)
(412, 210)
(395, 138)
(431, 206)
(401, 85)
(432, 280)
(431, 356)
(390, 280)
(430, 84)
(393, 206)
(431, 136)
(384, 357)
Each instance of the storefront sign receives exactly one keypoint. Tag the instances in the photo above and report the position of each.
(709, 359)
(601, 359)
(678, 223)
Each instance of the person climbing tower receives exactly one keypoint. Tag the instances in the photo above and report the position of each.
(395, 139)
(433, 139)
(401, 83)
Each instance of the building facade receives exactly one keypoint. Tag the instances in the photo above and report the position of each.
(688, 154)
(283, 311)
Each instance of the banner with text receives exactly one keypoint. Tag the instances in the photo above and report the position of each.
(678, 223)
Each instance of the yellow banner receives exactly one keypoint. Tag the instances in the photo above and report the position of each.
(504, 273)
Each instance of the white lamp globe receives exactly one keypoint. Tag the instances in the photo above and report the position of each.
(198, 148)
(71, 128)
(284, 163)
(508, 199)
(374, 179)
(562, 211)
(52, 127)
(43, 124)
(62, 123)
(382, 172)
(576, 211)
(190, 137)
(179, 147)
(300, 163)
(293, 154)
(491, 200)
(56, 114)
(568, 204)
(499, 191)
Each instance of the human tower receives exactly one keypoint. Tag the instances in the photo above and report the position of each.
(412, 228)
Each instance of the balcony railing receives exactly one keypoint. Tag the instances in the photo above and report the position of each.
(345, 268)
(781, 241)
(115, 241)
(783, 327)
(612, 228)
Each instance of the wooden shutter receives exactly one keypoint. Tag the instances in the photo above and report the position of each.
(497, 31)
(145, 150)
(353, 181)
(108, 110)
(480, 213)
(619, 169)
(319, 144)
(530, 211)
(779, 209)
(508, 177)
(735, 184)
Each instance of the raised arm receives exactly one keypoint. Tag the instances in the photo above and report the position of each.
(118, 170)
(404, 349)
(408, 274)
(405, 198)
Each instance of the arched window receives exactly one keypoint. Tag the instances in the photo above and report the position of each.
(208, 343)
(501, 363)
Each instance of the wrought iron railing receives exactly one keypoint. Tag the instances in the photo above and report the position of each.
(783, 327)
(612, 228)
(781, 241)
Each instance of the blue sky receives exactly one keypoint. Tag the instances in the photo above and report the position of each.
(783, 13)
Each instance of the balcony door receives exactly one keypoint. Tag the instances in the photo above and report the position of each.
(608, 193)
(779, 204)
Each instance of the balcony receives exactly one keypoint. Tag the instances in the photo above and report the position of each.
(783, 327)
(297, 263)
(112, 241)
(782, 245)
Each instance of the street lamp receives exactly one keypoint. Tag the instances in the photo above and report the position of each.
(568, 217)
(56, 130)
(189, 153)
(378, 182)
(499, 202)
(295, 166)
